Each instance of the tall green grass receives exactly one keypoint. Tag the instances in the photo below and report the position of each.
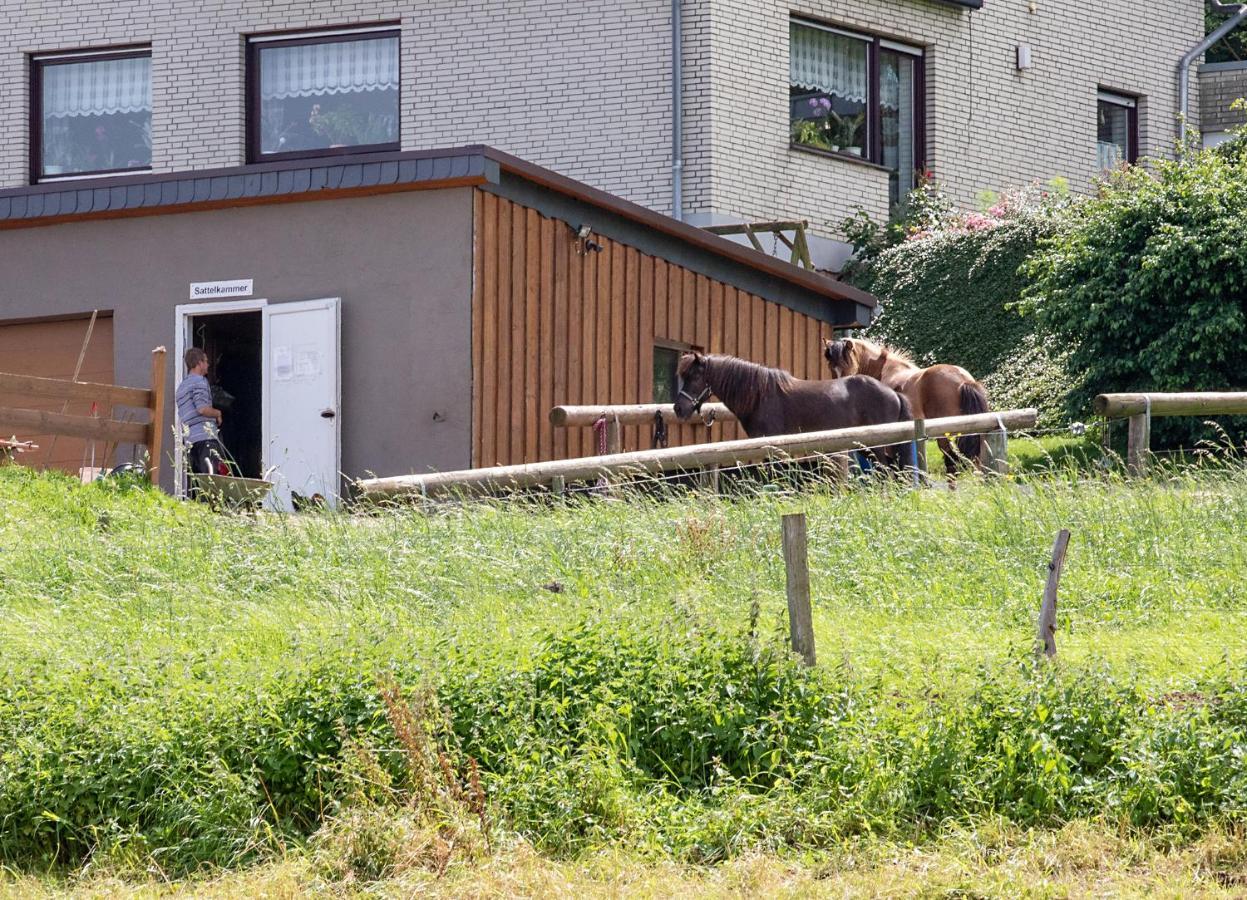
(184, 688)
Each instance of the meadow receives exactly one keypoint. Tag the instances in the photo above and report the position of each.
(594, 696)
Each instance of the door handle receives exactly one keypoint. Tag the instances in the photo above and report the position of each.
(327, 413)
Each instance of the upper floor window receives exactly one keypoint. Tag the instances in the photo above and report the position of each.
(320, 94)
(858, 96)
(1117, 132)
(91, 113)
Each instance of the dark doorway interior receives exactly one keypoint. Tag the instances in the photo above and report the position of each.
(234, 344)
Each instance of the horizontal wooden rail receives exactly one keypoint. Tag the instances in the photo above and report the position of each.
(725, 453)
(39, 422)
(1118, 406)
(634, 414)
(60, 389)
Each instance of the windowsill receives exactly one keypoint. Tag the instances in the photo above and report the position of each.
(325, 152)
(842, 157)
(88, 176)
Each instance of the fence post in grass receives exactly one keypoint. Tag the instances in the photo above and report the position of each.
(920, 451)
(156, 429)
(997, 443)
(557, 484)
(1045, 643)
(1140, 442)
(708, 480)
(796, 564)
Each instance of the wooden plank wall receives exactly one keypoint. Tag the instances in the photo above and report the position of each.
(553, 326)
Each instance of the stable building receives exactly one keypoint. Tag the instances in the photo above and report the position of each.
(392, 312)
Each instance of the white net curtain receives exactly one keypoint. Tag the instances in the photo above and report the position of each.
(830, 63)
(97, 88)
(341, 67)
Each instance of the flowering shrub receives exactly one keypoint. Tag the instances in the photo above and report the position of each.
(948, 283)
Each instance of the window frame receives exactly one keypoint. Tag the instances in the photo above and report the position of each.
(679, 348)
(257, 42)
(37, 62)
(1131, 104)
(875, 45)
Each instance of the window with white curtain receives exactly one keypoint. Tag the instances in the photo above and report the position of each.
(322, 94)
(858, 96)
(91, 113)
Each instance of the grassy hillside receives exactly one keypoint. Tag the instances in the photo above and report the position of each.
(182, 690)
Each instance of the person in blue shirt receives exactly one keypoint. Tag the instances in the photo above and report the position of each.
(200, 420)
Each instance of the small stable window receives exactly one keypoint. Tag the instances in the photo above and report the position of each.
(323, 94)
(666, 359)
(91, 113)
(1117, 131)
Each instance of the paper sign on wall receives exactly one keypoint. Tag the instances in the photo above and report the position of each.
(283, 364)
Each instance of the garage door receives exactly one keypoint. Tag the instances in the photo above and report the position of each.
(50, 349)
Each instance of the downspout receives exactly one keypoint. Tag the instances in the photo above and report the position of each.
(677, 113)
(1184, 67)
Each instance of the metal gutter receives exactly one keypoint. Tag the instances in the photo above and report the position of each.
(677, 112)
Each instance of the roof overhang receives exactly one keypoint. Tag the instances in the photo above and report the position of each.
(148, 194)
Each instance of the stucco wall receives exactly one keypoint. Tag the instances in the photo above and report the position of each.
(402, 264)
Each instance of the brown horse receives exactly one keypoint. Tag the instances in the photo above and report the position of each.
(771, 401)
(933, 392)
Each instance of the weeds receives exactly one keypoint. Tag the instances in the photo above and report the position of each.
(182, 691)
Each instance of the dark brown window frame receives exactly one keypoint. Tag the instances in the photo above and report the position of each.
(37, 62)
(1132, 118)
(258, 42)
(874, 121)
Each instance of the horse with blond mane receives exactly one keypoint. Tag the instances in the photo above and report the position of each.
(933, 392)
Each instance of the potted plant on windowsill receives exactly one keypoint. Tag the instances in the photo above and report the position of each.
(844, 130)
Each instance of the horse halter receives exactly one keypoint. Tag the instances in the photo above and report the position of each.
(698, 400)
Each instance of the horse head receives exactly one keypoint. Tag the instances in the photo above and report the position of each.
(692, 385)
(842, 356)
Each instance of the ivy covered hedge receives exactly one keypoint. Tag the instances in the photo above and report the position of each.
(1050, 300)
(1146, 283)
(950, 283)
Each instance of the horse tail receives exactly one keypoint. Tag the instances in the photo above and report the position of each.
(907, 409)
(973, 400)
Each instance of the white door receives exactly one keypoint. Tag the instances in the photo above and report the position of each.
(301, 400)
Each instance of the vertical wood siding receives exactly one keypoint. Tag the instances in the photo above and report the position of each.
(552, 326)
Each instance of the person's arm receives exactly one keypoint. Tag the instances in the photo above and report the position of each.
(203, 403)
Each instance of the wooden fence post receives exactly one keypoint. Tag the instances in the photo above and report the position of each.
(708, 479)
(920, 451)
(1045, 643)
(557, 485)
(997, 443)
(614, 444)
(796, 564)
(1140, 442)
(156, 430)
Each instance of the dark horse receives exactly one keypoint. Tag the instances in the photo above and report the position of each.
(771, 401)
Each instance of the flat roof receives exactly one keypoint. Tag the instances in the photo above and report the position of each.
(164, 193)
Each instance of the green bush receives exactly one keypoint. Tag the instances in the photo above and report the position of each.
(1146, 284)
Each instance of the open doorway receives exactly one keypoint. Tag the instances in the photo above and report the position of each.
(235, 345)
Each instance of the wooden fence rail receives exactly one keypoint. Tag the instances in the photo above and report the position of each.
(1140, 409)
(149, 434)
(698, 456)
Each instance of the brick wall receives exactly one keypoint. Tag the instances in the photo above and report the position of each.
(990, 126)
(583, 88)
(1219, 86)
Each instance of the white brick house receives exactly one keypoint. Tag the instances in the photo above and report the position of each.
(1001, 94)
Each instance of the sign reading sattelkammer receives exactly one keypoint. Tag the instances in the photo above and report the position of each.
(239, 287)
